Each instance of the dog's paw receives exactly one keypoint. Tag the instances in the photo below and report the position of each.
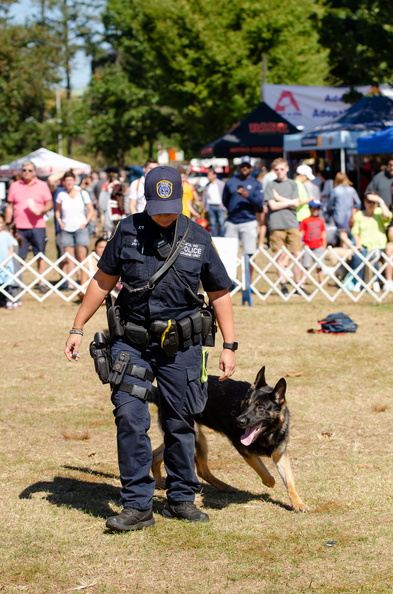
(269, 482)
(301, 507)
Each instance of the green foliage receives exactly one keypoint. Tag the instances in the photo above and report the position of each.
(181, 69)
(202, 60)
(359, 36)
(352, 96)
(27, 66)
(120, 114)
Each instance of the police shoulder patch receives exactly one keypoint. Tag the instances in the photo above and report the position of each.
(114, 231)
(164, 188)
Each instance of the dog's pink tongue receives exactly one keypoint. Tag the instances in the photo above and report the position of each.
(249, 435)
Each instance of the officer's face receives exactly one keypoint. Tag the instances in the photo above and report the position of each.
(164, 220)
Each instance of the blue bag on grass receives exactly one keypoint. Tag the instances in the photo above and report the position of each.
(338, 323)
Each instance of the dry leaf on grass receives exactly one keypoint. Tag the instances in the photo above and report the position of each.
(325, 435)
(368, 466)
(69, 435)
(82, 587)
(379, 408)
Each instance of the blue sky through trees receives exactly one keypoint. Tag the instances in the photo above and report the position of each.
(22, 11)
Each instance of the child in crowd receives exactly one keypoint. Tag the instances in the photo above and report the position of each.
(99, 247)
(15, 288)
(313, 230)
(7, 247)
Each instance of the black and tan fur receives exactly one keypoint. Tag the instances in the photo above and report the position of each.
(235, 409)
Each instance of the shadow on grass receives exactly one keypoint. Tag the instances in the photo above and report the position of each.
(89, 497)
(213, 499)
(92, 472)
(218, 500)
(93, 498)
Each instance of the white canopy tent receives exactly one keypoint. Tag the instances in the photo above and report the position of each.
(46, 162)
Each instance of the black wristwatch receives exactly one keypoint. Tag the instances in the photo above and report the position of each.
(230, 345)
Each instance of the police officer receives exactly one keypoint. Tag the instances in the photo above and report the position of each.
(161, 337)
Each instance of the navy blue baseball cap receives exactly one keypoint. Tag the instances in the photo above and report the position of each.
(163, 191)
(316, 203)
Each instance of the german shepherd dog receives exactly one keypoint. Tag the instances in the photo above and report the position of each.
(255, 418)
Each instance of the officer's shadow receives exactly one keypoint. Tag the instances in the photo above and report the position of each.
(213, 499)
(92, 498)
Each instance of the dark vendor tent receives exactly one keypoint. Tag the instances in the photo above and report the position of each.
(259, 134)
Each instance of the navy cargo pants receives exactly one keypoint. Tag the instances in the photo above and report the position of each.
(181, 396)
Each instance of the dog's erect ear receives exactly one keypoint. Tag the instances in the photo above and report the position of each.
(279, 391)
(260, 381)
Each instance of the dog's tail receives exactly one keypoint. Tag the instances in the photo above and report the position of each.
(153, 396)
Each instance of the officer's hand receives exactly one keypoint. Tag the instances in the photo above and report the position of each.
(227, 364)
(72, 347)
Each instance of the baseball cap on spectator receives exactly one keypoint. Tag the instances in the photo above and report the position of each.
(163, 191)
(305, 170)
(245, 161)
(316, 203)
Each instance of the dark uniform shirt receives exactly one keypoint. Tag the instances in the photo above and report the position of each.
(131, 254)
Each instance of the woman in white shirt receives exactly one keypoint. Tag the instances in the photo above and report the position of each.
(74, 210)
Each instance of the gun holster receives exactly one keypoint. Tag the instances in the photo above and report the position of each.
(209, 327)
(119, 369)
(115, 322)
(100, 352)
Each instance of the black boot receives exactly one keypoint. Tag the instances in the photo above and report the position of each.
(184, 510)
(131, 519)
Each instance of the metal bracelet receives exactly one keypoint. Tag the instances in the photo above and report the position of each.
(76, 332)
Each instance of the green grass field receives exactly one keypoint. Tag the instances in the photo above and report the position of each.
(59, 475)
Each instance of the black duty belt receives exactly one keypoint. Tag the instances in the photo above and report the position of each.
(169, 334)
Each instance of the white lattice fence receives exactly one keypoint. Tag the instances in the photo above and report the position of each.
(26, 277)
(265, 281)
(336, 281)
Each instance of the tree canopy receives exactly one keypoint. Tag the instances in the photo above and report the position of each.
(28, 66)
(201, 61)
(185, 70)
(359, 37)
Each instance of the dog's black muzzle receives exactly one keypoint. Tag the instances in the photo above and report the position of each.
(242, 421)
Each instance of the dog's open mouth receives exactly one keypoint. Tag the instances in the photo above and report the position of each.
(251, 434)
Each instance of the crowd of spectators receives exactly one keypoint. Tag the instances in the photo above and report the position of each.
(260, 207)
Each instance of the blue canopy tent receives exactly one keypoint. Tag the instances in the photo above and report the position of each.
(377, 143)
(372, 112)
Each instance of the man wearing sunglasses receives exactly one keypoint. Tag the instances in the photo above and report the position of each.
(29, 199)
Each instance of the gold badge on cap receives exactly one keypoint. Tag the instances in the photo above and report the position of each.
(164, 188)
